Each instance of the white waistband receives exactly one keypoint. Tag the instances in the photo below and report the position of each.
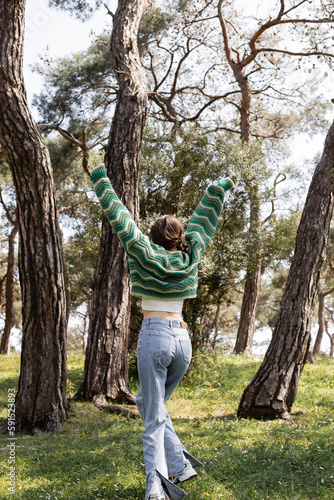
(162, 305)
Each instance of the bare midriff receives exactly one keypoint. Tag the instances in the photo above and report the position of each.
(162, 314)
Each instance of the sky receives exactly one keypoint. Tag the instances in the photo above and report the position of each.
(58, 33)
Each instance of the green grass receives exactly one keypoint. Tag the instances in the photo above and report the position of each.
(99, 456)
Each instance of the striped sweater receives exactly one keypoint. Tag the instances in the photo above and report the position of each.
(157, 273)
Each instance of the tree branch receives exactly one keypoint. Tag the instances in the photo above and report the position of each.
(327, 331)
(258, 33)
(331, 313)
(8, 214)
(315, 21)
(181, 61)
(151, 69)
(222, 20)
(193, 21)
(165, 105)
(294, 7)
(109, 11)
(207, 104)
(169, 68)
(227, 129)
(274, 22)
(288, 52)
(328, 293)
(67, 135)
(274, 197)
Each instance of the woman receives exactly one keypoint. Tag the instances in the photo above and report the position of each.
(163, 270)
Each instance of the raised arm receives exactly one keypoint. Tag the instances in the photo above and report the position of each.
(204, 220)
(117, 214)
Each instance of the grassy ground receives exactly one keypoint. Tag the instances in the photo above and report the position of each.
(99, 456)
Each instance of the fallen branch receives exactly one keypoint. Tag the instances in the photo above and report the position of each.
(101, 402)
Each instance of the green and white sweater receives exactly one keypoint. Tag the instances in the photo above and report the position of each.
(157, 273)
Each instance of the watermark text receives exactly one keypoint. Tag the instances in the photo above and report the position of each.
(11, 445)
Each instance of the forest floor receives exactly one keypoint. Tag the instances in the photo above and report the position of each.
(99, 455)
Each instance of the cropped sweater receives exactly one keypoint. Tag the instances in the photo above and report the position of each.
(157, 273)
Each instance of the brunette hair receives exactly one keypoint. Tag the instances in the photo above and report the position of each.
(167, 232)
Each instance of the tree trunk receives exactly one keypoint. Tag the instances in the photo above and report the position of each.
(273, 389)
(331, 340)
(244, 341)
(136, 318)
(321, 319)
(321, 323)
(216, 325)
(245, 104)
(9, 291)
(66, 277)
(245, 333)
(106, 369)
(2, 280)
(41, 401)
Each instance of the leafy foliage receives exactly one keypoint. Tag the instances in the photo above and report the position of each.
(270, 297)
(82, 9)
(78, 89)
(279, 239)
(79, 215)
(153, 23)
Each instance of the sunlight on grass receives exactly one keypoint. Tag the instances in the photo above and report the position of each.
(99, 455)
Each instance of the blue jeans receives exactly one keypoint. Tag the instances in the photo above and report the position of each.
(163, 356)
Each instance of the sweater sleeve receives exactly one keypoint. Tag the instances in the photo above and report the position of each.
(117, 214)
(203, 223)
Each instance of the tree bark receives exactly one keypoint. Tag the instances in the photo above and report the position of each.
(66, 277)
(245, 104)
(106, 369)
(331, 340)
(321, 319)
(136, 318)
(244, 341)
(41, 401)
(2, 281)
(321, 323)
(273, 389)
(216, 325)
(245, 333)
(9, 291)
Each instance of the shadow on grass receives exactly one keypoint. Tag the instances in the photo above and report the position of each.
(100, 456)
(208, 418)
